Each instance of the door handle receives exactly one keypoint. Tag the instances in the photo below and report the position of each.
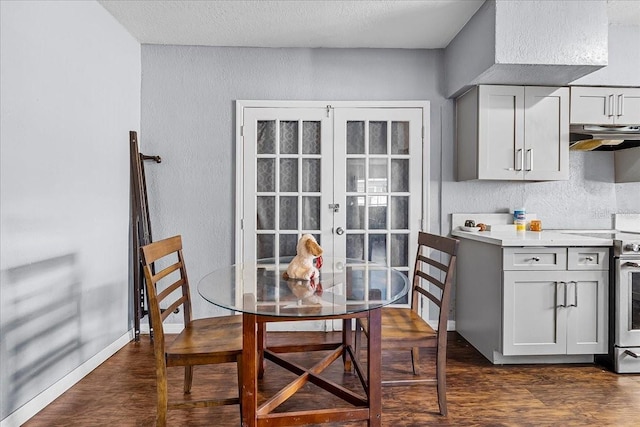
(339, 231)
(530, 159)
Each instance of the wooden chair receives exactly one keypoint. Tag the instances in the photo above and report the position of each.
(404, 328)
(202, 342)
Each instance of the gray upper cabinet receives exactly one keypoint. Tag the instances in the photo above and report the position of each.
(605, 105)
(513, 133)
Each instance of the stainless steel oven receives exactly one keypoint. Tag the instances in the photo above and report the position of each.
(625, 307)
(624, 293)
(626, 349)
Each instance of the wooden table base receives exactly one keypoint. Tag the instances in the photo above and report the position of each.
(368, 407)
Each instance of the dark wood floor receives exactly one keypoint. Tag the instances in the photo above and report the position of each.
(121, 392)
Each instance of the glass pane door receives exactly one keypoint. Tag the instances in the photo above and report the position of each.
(352, 177)
(378, 163)
(288, 182)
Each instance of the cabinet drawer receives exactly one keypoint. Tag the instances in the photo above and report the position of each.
(534, 259)
(588, 259)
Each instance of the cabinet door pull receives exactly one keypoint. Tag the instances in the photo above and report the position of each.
(530, 159)
(610, 112)
(519, 159)
(564, 285)
(575, 294)
(632, 354)
(620, 105)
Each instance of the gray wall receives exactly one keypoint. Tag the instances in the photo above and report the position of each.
(188, 96)
(70, 94)
(188, 118)
(623, 67)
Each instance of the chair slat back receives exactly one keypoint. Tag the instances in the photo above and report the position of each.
(169, 287)
(435, 264)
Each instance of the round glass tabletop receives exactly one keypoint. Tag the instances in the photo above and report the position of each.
(344, 286)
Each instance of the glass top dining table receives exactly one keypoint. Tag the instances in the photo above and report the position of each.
(344, 286)
(345, 289)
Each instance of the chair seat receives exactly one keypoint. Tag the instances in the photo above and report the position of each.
(206, 340)
(403, 328)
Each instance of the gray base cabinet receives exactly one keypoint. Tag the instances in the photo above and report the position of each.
(533, 305)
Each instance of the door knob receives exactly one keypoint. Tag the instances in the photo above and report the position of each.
(339, 231)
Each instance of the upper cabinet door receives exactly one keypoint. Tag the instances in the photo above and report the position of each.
(500, 132)
(546, 130)
(513, 133)
(605, 105)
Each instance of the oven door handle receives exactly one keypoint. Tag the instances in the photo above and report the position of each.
(632, 354)
(631, 264)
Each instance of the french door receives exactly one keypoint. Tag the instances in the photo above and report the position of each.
(353, 175)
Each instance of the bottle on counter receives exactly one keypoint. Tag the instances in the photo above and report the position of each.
(520, 219)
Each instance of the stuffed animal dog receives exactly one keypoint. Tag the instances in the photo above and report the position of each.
(301, 266)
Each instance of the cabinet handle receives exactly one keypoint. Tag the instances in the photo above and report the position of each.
(564, 285)
(575, 294)
(519, 159)
(589, 258)
(610, 112)
(632, 354)
(620, 105)
(536, 259)
(530, 159)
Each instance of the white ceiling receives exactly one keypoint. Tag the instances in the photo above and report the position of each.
(412, 24)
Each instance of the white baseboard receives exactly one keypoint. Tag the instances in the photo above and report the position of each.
(451, 325)
(38, 403)
(169, 328)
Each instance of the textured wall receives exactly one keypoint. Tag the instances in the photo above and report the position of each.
(586, 200)
(70, 94)
(528, 42)
(472, 52)
(624, 59)
(188, 119)
(552, 32)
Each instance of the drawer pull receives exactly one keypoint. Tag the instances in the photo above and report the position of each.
(632, 354)
(535, 258)
(589, 258)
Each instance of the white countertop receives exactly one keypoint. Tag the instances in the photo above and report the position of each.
(532, 238)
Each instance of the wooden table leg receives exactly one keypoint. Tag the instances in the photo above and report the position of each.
(262, 344)
(374, 356)
(249, 396)
(347, 339)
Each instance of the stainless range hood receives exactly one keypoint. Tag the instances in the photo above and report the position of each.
(603, 137)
